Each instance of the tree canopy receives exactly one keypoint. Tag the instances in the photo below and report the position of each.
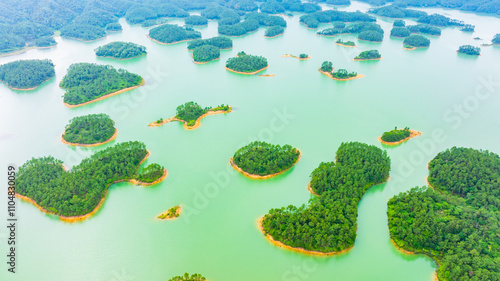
(416, 41)
(84, 32)
(187, 277)
(196, 20)
(190, 111)
(367, 55)
(206, 53)
(240, 28)
(400, 32)
(120, 50)
(314, 19)
(170, 33)
(221, 42)
(396, 135)
(150, 173)
(246, 63)
(496, 39)
(45, 41)
(274, 31)
(26, 74)
(89, 129)
(469, 50)
(424, 29)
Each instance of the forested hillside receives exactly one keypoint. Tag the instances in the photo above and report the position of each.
(26, 74)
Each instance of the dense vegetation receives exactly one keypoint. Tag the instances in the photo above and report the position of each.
(352, 28)
(120, 50)
(371, 35)
(170, 214)
(45, 41)
(272, 7)
(314, 19)
(274, 31)
(343, 74)
(266, 20)
(89, 129)
(328, 223)
(206, 53)
(400, 32)
(84, 32)
(368, 55)
(114, 27)
(221, 42)
(399, 23)
(246, 63)
(170, 33)
(496, 39)
(190, 111)
(458, 224)
(196, 20)
(261, 158)
(399, 10)
(468, 28)
(240, 28)
(87, 81)
(26, 74)
(416, 41)
(347, 43)
(326, 66)
(480, 6)
(424, 29)
(396, 135)
(151, 173)
(187, 277)
(78, 191)
(469, 50)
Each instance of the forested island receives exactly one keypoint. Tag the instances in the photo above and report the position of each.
(191, 114)
(327, 225)
(368, 31)
(120, 50)
(221, 42)
(341, 42)
(424, 29)
(261, 160)
(468, 28)
(339, 75)
(456, 220)
(171, 213)
(246, 64)
(205, 53)
(90, 130)
(187, 277)
(151, 175)
(171, 33)
(313, 20)
(26, 74)
(368, 55)
(398, 136)
(414, 41)
(239, 28)
(83, 32)
(274, 31)
(78, 193)
(400, 32)
(89, 82)
(196, 20)
(469, 50)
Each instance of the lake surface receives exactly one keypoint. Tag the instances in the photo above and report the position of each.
(452, 99)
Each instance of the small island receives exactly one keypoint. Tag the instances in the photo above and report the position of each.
(469, 50)
(151, 175)
(274, 31)
(206, 53)
(191, 114)
(196, 20)
(89, 82)
(300, 57)
(120, 50)
(77, 194)
(171, 33)
(26, 75)
(171, 213)
(246, 64)
(90, 130)
(83, 32)
(261, 160)
(415, 41)
(343, 43)
(339, 75)
(396, 136)
(187, 277)
(468, 28)
(368, 55)
(221, 42)
(400, 32)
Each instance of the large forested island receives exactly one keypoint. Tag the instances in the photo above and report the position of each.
(90, 130)
(77, 193)
(368, 55)
(26, 74)
(457, 224)
(191, 114)
(328, 224)
(221, 42)
(89, 82)
(261, 160)
(398, 136)
(171, 33)
(246, 64)
(187, 277)
(205, 53)
(416, 41)
(469, 50)
(120, 50)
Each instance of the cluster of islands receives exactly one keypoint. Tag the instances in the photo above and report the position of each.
(455, 222)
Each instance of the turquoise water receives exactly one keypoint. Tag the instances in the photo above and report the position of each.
(444, 95)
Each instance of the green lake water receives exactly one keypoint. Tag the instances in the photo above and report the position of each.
(453, 99)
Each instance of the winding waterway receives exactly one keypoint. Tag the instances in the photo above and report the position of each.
(452, 99)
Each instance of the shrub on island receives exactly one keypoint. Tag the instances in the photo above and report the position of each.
(191, 111)
(196, 20)
(400, 32)
(416, 41)
(263, 159)
(89, 129)
(496, 39)
(187, 277)
(371, 35)
(170, 214)
(343, 74)
(151, 173)
(469, 50)
(170, 33)
(327, 66)
(424, 29)
(84, 32)
(206, 53)
(246, 63)
(346, 43)
(26, 74)
(399, 23)
(120, 50)
(396, 135)
(368, 55)
(221, 42)
(45, 41)
(274, 31)
(328, 223)
(85, 82)
(303, 56)
(468, 28)
(240, 28)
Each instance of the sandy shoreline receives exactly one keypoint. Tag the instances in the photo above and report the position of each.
(204, 62)
(347, 79)
(267, 75)
(434, 274)
(311, 190)
(300, 250)
(343, 45)
(177, 212)
(90, 145)
(197, 123)
(274, 35)
(292, 56)
(355, 59)
(413, 133)
(27, 89)
(108, 57)
(414, 48)
(246, 73)
(160, 179)
(185, 40)
(105, 96)
(262, 177)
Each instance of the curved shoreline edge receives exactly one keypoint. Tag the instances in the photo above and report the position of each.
(246, 73)
(347, 79)
(106, 96)
(92, 144)
(274, 35)
(71, 219)
(259, 177)
(197, 123)
(292, 56)
(311, 190)
(413, 133)
(299, 250)
(185, 40)
(160, 179)
(434, 274)
(26, 89)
